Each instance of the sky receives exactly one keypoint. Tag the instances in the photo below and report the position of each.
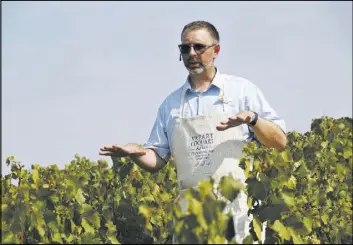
(80, 75)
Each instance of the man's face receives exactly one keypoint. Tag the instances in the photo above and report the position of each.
(197, 50)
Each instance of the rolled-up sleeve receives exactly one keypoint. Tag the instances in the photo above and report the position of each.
(158, 140)
(256, 101)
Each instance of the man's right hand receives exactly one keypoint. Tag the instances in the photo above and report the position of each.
(127, 150)
(147, 159)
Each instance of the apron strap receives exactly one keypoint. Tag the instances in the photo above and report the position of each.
(181, 109)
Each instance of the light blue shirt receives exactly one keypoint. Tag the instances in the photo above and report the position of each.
(242, 94)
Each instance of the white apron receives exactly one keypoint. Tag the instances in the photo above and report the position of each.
(201, 151)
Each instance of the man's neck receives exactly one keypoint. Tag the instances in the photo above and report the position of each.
(200, 82)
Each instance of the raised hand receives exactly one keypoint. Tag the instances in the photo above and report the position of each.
(122, 150)
(243, 117)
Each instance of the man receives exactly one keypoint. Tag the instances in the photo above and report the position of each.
(206, 122)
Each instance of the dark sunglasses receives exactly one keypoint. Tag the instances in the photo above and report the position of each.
(198, 48)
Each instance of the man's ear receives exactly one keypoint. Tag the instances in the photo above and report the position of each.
(216, 50)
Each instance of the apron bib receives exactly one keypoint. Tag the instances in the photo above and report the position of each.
(200, 151)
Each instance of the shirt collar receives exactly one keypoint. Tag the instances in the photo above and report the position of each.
(217, 81)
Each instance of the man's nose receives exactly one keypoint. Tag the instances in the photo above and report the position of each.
(192, 51)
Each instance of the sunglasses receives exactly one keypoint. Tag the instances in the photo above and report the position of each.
(199, 48)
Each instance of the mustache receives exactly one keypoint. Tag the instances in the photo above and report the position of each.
(193, 61)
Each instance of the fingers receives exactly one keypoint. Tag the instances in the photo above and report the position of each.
(112, 148)
(241, 118)
(107, 148)
(118, 147)
(106, 153)
(223, 127)
(236, 119)
(232, 121)
(130, 149)
(120, 151)
(115, 154)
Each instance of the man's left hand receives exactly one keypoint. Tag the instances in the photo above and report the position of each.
(243, 117)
